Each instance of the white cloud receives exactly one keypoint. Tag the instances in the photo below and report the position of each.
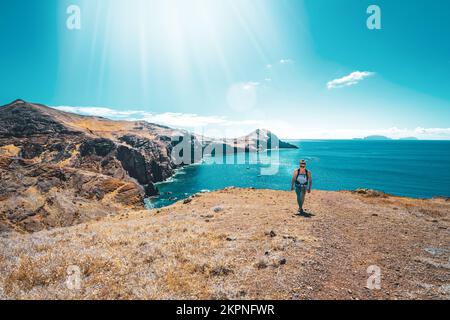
(286, 61)
(171, 119)
(250, 85)
(183, 120)
(218, 126)
(288, 132)
(349, 80)
(99, 112)
(433, 131)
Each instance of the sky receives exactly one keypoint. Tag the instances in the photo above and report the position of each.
(303, 69)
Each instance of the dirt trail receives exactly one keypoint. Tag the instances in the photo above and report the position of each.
(242, 244)
(407, 239)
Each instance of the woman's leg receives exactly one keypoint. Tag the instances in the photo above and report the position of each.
(303, 195)
(300, 197)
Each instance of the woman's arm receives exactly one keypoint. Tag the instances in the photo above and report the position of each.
(309, 182)
(294, 177)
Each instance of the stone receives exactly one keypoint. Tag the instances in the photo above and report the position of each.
(271, 233)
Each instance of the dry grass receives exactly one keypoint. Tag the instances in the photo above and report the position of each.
(9, 150)
(74, 154)
(252, 248)
(31, 273)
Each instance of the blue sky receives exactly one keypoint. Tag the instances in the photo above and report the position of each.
(304, 69)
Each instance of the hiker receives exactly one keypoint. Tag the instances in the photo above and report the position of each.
(302, 181)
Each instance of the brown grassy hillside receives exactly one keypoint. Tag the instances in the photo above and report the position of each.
(242, 244)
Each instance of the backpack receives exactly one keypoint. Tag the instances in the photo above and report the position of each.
(302, 178)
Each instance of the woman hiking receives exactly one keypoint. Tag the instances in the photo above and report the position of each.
(302, 181)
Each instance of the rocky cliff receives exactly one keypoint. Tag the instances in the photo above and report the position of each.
(60, 169)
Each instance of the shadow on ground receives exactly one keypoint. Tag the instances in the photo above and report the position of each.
(306, 214)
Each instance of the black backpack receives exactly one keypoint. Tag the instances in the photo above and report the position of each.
(307, 178)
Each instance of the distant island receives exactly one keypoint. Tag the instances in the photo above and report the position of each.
(409, 138)
(384, 138)
(375, 137)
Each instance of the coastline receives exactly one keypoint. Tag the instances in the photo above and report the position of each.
(179, 173)
(387, 166)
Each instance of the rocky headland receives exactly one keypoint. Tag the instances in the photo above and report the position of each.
(59, 169)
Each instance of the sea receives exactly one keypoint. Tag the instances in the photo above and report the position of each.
(418, 169)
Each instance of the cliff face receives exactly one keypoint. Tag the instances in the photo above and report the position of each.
(60, 169)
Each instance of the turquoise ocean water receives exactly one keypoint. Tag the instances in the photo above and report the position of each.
(419, 169)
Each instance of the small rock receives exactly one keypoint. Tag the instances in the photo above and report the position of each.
(283, 261)
(272, 234)
(261, 265)
(230, 238)
(217, 209)
(188, 200)
(221, 271)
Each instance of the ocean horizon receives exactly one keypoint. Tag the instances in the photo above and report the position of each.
(409, 168)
